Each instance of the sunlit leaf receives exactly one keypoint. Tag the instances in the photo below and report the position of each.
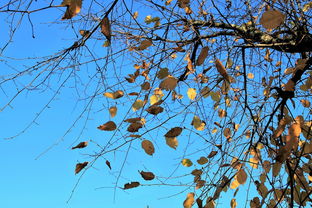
(113, 111)
(188, 202)
(191, 93)
(108, 126)
(114, 95)
(131, 185)
(187, 162)
(233, 203)
(73, 8)
(148, 147)
(253, 162)
(172, 142)
(147, 175)
(305, 103)
(198, 124)
(80, 145)
(80, 166)
(222, 113)
(138, 104)
(234, 184)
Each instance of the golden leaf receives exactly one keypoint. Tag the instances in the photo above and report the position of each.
(191, 93)
(233, 203)
(234, 184)
(108, 126)
(250, 75)
(134, 127)
(253, 162)
(138, 104)
(276, 168)
(80, 166)
(73, 8)
(222, 113)
(148, 147)
(172, 142)
(147, 175)
(187, 162)
(305, 103)
(227, 133)
(114, 95)
(198, 124)
(80, 145)
(113, 111)
(188, 202)
(272, 19)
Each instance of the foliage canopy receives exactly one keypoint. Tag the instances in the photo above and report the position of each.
(225, 84)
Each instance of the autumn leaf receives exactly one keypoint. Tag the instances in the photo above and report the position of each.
(80, 145)
(174, 132)
(162, 73)
(138, 104)
(198, 124)
(272, 19)
(131, 185)
(172, 142)
(221, 69)
(134, 127)
(108, 126)
(148, 147)
(108, 164)
(241, 176)
(147, 175)
(106, 28)
(113, 111)
(73, 8)
(202, 56)
(212, 154)
(80, 166)
(187, 162)
(191, 93)
(188, 202)
(154, 110)
(169, 83)
(202, 160)
(144, 45)
(114, 95)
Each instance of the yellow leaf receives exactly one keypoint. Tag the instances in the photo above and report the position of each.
(222, 113)
(250, 75)
(148, 147)
(73, 8)
(253, 162)
(114, 95)
(233, 203)
(272, 19)
(198, 124)
(172, 142)
(202, 160)
(305, 103)
(137, 105)
(234, 184)
(191, 93)
(188, 202)
(135, 15)
(307, 7)
(187, 162)
(113, 111)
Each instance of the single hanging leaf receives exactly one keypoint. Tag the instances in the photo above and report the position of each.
(169, 83)
(188, 202)
(114, 95)
(131, 185)
(146, 86)
(221, 69)
(154, 109)
(80, 145)
(212, 154)
(191, 93)
(113, 111)
(202, 160)
(108, 126)
(241, 176)
(106, 28)
(134, 127)
(73, 8)
(148, 147)
(108, 164)
(172, 142)
(174, 132)
(80, 166)
(162, 73)
(272, 19)
(233, 203)
(137, 105)
(198, 124)
(202, 56)
(187, 162)
(147, 175)
(133, 120)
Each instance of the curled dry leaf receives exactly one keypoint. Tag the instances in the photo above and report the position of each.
(221, 69)
(133, 120)
(202, 56)
(272, 19)
(114, 95)
(113, 111)
(212, 154)
(172, 142)
(108, 164)
(131, 185)
(106, 28)
(80, 145)
(148, 147)
(147, 175)
(80, 166)
(154, 109)
(134, 127)
(109, 126)
(73, 8)
(174, 132)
